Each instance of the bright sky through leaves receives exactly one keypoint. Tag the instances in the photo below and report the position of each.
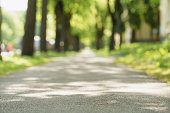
(14, 5)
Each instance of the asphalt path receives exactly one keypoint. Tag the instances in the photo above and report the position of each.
(84, 83)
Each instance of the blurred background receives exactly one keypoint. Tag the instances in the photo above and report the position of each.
(90, 21)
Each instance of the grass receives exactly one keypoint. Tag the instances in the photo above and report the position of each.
(153, 58)
(124, 49)
(16, 62)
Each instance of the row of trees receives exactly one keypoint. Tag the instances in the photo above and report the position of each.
(126, 12)
(64, 39)
(75, 19)
(136, 12)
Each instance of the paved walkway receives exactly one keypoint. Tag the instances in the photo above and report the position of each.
(83, 84)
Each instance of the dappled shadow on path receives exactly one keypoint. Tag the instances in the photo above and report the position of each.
(83, 84)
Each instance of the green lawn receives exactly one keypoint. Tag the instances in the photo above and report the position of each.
(153, 58)
(124, 49)
(16, 62)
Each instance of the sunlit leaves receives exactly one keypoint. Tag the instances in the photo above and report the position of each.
(152, 12)
(153, 58)
(12, 27)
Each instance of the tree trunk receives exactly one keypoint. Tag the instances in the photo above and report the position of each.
(97, 43)
(43, 43)
(0, 32)
(59, 25)
(112, 41)
(97, 38)
(133, 36)
(77, 43)
(68, 40)
(158, 26)
(28, 39)
(66, 43)
(101, 43)
(57, 41)
(151, 34)
(121, 40)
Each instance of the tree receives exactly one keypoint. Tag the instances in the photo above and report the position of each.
(152, 16)
(101, 16)
(99, 36)
(0, 32)
(117, 24)
(68, 44)
(73, 17)
(43, 45)
(13, 25)
(135, 10)
(82, 20)
(122, 29)
(77, 43)
(135, 23)
(59, 24)
(64, 11)
(28, 39)
(113, 19)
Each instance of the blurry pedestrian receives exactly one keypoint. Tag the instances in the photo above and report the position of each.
(9, 47)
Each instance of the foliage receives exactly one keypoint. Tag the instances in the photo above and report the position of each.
(12, 27)
(105, 51)
(135, 10)
(166, 43)
(151, 12)
(153, 58)
(82, 16)
(14, 63)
